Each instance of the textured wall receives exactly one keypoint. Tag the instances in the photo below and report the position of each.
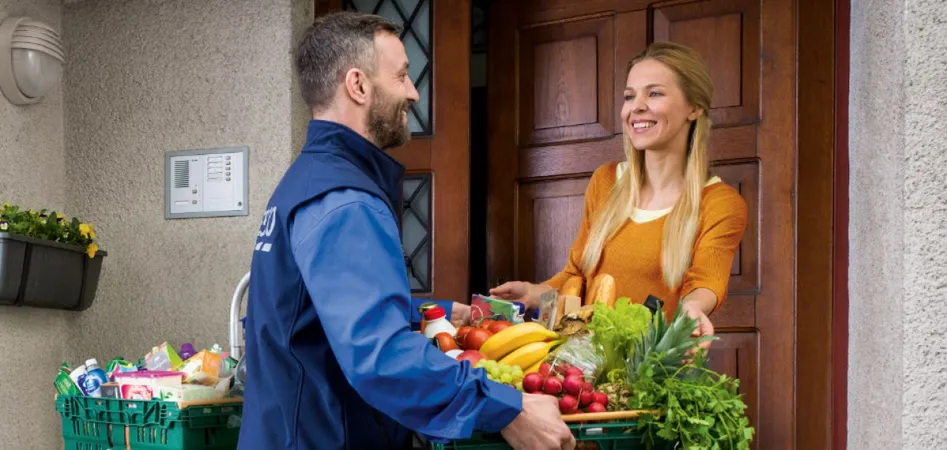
(898, 235)
(151, 77)
(31, 174)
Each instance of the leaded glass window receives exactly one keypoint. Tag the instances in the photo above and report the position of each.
(415, 17)
(416, 230)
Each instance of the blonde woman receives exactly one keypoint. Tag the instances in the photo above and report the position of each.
(659, 223)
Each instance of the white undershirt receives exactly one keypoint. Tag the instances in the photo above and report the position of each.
(647, 215)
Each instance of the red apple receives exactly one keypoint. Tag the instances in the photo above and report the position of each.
(473, 356)
(532, 382)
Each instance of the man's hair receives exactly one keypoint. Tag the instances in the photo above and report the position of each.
(332, 45)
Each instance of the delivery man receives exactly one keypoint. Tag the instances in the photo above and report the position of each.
(331, 361)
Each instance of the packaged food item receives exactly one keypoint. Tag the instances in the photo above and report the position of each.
(64, 384)
(484, 307)
(143, 385)
(111, 390)
(437, 322)
(549, 309)
(118, 365)
(227, 366)
(162, 358)
(577, 353)
(202, 368)
(189, 392)
(421, 309)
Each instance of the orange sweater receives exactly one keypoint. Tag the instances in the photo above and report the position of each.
(633, 255)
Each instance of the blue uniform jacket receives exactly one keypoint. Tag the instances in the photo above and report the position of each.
(331, 359)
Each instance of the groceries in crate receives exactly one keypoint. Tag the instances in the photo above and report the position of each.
(610, 356)
(160, 374)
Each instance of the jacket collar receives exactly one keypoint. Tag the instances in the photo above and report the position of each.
(343, 142)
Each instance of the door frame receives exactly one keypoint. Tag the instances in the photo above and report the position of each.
(822, 207)
(841, 211)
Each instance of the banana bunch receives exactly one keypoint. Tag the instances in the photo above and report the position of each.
(524, 345)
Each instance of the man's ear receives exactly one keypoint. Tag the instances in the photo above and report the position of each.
(357, 86)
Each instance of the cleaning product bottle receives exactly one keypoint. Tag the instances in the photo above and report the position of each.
(187, 351)
(93, 379)
(437, 322)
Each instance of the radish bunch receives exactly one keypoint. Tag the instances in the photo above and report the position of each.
(569, 385)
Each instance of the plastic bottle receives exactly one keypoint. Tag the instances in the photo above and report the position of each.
(187, 351)
(520, 315)
(437, 322)
(93, 379)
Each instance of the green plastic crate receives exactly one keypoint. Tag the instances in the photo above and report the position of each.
(603, 436)
(90, 423)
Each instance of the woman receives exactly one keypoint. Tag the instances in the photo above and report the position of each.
(658, 223)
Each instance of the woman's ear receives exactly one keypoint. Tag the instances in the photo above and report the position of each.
(697, 112)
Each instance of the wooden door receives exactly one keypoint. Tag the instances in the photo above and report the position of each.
(435, 220)
(556, 79)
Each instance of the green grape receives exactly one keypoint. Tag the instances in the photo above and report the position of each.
(517, 371)
(506, 378)
(519, 386)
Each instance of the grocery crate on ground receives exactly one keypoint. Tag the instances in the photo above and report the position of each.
(93, 423)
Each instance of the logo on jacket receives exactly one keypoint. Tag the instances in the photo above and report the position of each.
(266, 230)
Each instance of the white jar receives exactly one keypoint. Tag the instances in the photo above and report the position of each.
(436, 322)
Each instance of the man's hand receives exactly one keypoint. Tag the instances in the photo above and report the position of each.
(459, 314)
(539, 426)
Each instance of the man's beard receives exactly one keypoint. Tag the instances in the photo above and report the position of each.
(384, 122)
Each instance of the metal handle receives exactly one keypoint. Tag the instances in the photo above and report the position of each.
(236, 347)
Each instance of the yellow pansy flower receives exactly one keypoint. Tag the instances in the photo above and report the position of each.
(91, 249)
(86, 230)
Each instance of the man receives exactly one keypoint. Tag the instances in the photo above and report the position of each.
(331, 360)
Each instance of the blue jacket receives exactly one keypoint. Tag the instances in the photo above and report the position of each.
(332, 362)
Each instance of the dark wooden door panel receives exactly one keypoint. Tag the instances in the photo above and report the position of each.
(562, 67)
(548, 217)
(736, 354)
(727, 35)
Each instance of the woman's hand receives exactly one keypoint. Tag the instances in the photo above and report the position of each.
(520, 291)
(697, 305)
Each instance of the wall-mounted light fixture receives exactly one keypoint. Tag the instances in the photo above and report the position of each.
(31, 59)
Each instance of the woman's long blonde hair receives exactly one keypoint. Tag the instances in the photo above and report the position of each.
(680, 229)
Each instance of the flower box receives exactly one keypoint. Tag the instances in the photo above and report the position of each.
(47, 261)
(47, 274)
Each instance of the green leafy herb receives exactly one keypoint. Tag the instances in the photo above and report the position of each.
(696, 406)
(615, 331)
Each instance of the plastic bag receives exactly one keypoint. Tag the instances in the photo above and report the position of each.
(578, 352)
